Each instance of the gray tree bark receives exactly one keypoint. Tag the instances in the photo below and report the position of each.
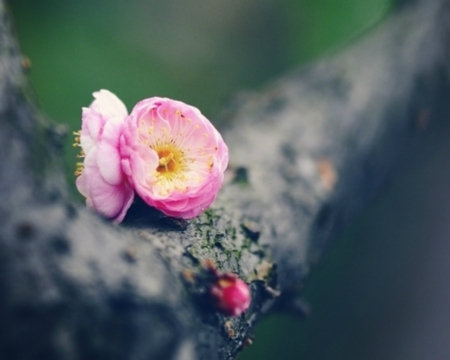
(308, 153)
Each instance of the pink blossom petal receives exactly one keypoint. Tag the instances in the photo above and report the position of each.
(108, 200)
(109, 105)
(143, 162)
(127, 201)
(175, 206)
(112, 132)
(108, 162)
(108, 155)
(91, 128)
(94, 122)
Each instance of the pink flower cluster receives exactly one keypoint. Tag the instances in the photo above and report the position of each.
(165, 151)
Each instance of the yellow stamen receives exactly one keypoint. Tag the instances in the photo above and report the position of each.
(164, 161)
(79, 165)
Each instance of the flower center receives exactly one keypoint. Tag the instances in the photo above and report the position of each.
(171, 170)
(171, 160)
(167, 162)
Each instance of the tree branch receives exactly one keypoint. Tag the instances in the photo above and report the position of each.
(307, 155)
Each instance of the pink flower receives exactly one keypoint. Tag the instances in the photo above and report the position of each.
(231, 294)
(100, 177)
(173, 156)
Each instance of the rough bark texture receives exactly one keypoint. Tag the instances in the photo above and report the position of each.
(307, 154)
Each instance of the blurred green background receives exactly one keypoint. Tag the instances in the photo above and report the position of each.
(197, 51)
(202, 52)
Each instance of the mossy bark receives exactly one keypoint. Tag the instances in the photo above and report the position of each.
(308, 153)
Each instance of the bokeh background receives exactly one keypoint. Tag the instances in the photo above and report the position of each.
(381, 291)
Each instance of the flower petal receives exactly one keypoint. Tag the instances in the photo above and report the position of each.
(109, 105)
(128, 197)
(108, 162)
(107, 199)
(91, 127)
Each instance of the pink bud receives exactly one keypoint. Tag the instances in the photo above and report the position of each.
(231, 294)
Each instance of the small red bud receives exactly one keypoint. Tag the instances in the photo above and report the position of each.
(231, 294)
